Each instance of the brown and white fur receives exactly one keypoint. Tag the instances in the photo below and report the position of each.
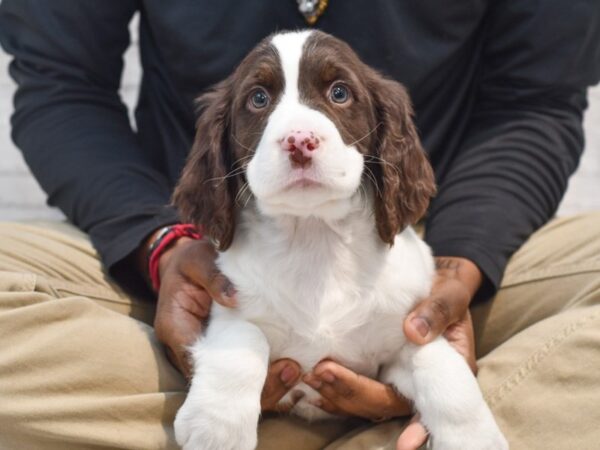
(309, 194)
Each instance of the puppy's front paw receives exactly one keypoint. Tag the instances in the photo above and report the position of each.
(202, 424)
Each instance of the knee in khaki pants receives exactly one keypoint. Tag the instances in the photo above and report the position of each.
(74, 374)
(75, 370)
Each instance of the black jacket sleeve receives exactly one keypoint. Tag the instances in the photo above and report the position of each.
(525, 136)
(71, 125)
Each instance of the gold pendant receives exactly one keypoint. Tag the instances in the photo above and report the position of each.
(312, 9)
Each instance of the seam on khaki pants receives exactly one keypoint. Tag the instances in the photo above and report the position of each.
(84, 289)
(29, 282)
(556, 271)
(95, 292)
(535, 359)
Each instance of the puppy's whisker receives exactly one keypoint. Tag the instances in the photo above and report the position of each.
(240, 144)
(377, 191)
(373, 158)
(362, 192)
(249, 192)
(232, 173)
(245, 190)
(241, 192)
(366, 135)
(371, 176)
(241, 160)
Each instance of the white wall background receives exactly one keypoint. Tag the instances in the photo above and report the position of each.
(22, 199)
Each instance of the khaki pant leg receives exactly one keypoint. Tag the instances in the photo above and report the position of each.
(76, 372)
(291, 433)
(540, 340)
(542, 384)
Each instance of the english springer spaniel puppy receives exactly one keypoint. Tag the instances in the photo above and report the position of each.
(307, 173)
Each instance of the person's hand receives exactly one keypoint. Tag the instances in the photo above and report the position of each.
(346, 393)
(190, 280)
(283, 375)
(445, 311)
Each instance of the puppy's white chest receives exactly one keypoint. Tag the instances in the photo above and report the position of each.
(362, 349)
(309, 319)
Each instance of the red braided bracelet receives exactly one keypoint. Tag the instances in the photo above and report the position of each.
(164, 240)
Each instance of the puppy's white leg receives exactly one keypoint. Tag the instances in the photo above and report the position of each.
(222, 408)
(447, 396)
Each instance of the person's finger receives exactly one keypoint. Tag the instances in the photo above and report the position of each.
(177, 343)
(413, 436)
(178, 323)
(199, 267)
(334, 381)
(356, 394)
(326, 389)
(462, 337)
(431, 317)
(217, 285)
(286, 407)
(328, 406)
(181, 361)
(281, 377)
(222, 290)
(188, 299)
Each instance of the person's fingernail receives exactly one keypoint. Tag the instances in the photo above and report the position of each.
(328, 377)
(288, 374)
(421, 326)
(229, 301)
(229, 290)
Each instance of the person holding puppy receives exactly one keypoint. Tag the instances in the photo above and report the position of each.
(499, 93)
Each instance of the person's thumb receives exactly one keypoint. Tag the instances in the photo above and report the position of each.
(221, 290)
(429, 319)
(281, 377)
(413, 436)
(197, 265)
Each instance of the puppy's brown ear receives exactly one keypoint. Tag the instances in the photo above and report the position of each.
(404, 176)
(204, 195)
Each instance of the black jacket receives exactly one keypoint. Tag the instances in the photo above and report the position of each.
(499, 89)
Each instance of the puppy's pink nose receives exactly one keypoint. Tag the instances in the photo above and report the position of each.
(300, 144)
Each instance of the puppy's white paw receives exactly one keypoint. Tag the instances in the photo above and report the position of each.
(214, 425)
(476, 434)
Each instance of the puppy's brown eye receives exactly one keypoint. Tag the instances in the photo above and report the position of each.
(339, 93)
(259, 99)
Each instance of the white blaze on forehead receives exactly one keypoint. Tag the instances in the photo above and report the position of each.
(289, 47)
